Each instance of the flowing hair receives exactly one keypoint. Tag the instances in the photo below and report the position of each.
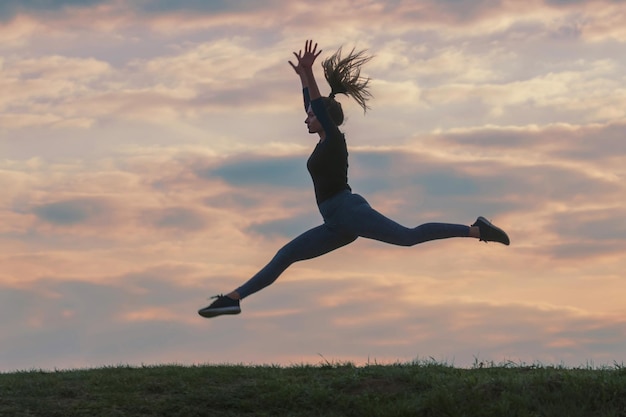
(343, 74)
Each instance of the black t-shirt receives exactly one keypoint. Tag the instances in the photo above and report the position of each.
(328, 164)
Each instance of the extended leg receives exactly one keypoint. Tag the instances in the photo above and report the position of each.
(361, 219)
(310, 244)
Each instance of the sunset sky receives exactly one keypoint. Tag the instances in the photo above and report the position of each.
(152, 155)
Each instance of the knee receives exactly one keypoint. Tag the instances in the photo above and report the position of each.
(284, 256)
(413, 236)
(410, 236)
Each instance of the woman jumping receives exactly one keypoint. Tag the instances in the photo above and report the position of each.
(347, 216)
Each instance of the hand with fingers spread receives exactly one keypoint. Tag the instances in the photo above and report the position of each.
(297, 68)
(306, 60)
(304, 68)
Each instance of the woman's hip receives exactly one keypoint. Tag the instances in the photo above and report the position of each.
(339, 206)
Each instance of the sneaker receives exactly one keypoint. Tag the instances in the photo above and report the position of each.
(223, 305)
(490, 233)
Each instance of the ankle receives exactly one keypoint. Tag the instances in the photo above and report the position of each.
(234, 295)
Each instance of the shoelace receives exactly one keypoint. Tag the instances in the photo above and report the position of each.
(220, 296)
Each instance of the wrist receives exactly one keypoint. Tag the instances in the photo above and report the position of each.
(307, 76)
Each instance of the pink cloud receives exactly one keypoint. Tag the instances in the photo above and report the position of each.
(153, 158)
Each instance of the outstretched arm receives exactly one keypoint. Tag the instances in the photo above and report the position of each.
(299, 70)
(303, 80)
(305, 64)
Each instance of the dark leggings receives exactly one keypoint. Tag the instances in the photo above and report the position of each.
(346, 216)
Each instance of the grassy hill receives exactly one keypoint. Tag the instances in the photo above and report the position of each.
(415, 389)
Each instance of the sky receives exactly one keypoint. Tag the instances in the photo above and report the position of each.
(153, 154)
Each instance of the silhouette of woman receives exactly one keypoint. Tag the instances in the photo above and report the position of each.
(346, 215)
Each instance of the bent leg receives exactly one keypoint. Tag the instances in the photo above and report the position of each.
(362, 220)
(310, 244)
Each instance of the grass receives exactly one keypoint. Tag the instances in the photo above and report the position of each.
(413, 389)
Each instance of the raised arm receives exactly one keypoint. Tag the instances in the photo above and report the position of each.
(318, 105)
(303, 80)
(305, 62)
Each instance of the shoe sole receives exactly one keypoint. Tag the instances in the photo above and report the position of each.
(213, 312)
(496, 228)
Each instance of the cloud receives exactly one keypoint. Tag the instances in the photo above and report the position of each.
(184, 81)
(473, 18)
(452, 330)
(473, 329)
(50, 91)
(58, 321)
(375, 170)
(164, 6)
(72, 212)
(48, 78)
(180, 218)
(577, 250)
(61, 91)
(251, 171)
(234, 199)
(599, 224)
(287, 228)
(9, 8)
(154, 155)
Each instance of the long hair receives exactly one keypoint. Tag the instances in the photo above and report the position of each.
(343, 74)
